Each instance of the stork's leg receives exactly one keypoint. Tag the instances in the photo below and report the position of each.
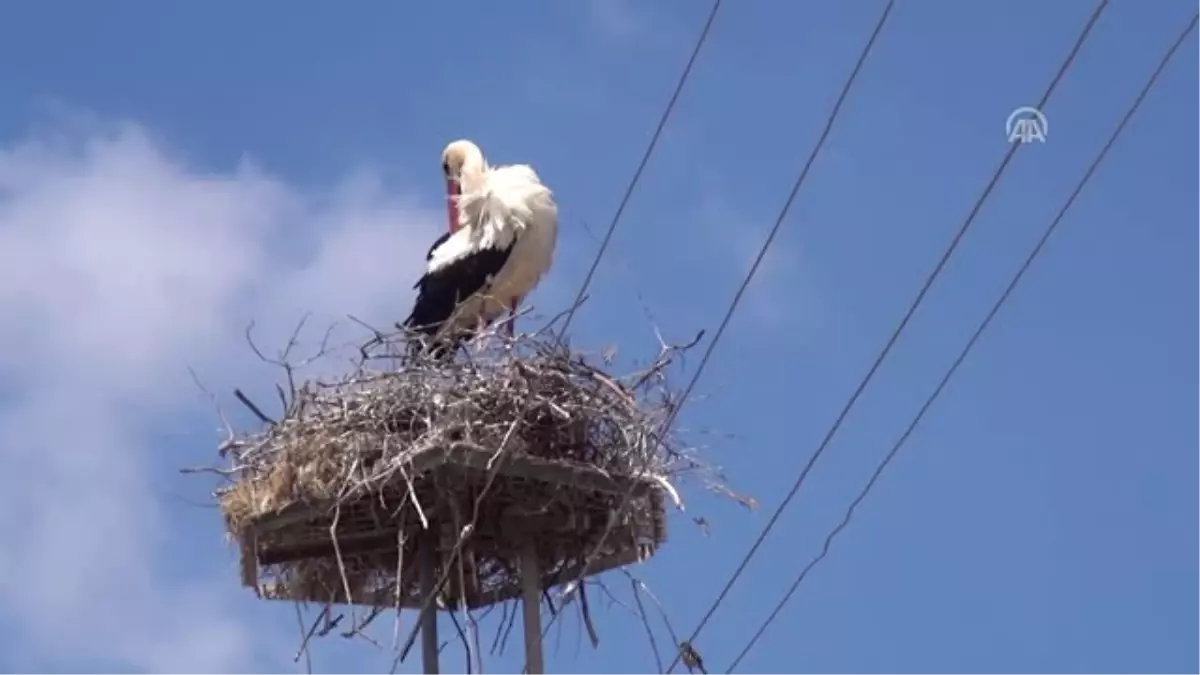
(479, 335)
(511, 324)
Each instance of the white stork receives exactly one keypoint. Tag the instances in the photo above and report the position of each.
(503, 228)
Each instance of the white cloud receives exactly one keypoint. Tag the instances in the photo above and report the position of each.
(616, 19)
(120, 266)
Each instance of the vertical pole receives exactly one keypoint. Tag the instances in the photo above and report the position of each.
(531, 605)
(426, 554)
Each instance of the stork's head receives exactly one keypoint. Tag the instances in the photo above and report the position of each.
(462, 164)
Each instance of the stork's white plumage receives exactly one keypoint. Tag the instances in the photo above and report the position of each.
(503, 229)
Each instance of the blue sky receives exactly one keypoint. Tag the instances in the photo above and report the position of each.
(167, 173)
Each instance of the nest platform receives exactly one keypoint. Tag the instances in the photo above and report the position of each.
(475, 459)
(562, 508)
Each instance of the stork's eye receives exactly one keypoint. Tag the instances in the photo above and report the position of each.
(446, 168)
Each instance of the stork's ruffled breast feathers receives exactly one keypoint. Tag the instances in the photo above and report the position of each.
(509, 193)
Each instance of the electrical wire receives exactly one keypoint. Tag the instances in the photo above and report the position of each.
(800, 179)
(983, 326)
(1096, 13)
(637, 174)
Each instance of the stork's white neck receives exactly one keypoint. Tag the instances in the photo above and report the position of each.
(474, 169)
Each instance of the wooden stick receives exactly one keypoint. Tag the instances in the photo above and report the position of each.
(426, 554)
(531, 605)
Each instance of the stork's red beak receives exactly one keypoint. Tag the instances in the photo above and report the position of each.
(453, 190)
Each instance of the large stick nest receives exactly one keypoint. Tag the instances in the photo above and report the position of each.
(521, 440)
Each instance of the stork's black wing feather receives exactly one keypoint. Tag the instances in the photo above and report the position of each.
(440, 240)
(440, 291)
(429, 256)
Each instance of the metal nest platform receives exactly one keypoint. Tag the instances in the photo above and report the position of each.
(490, 508)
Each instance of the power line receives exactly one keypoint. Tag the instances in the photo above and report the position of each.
(895, 334)
(701, 39)
(787, 205)
(737, 298)
(983, 326)
(783, 213)
(637, 175)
